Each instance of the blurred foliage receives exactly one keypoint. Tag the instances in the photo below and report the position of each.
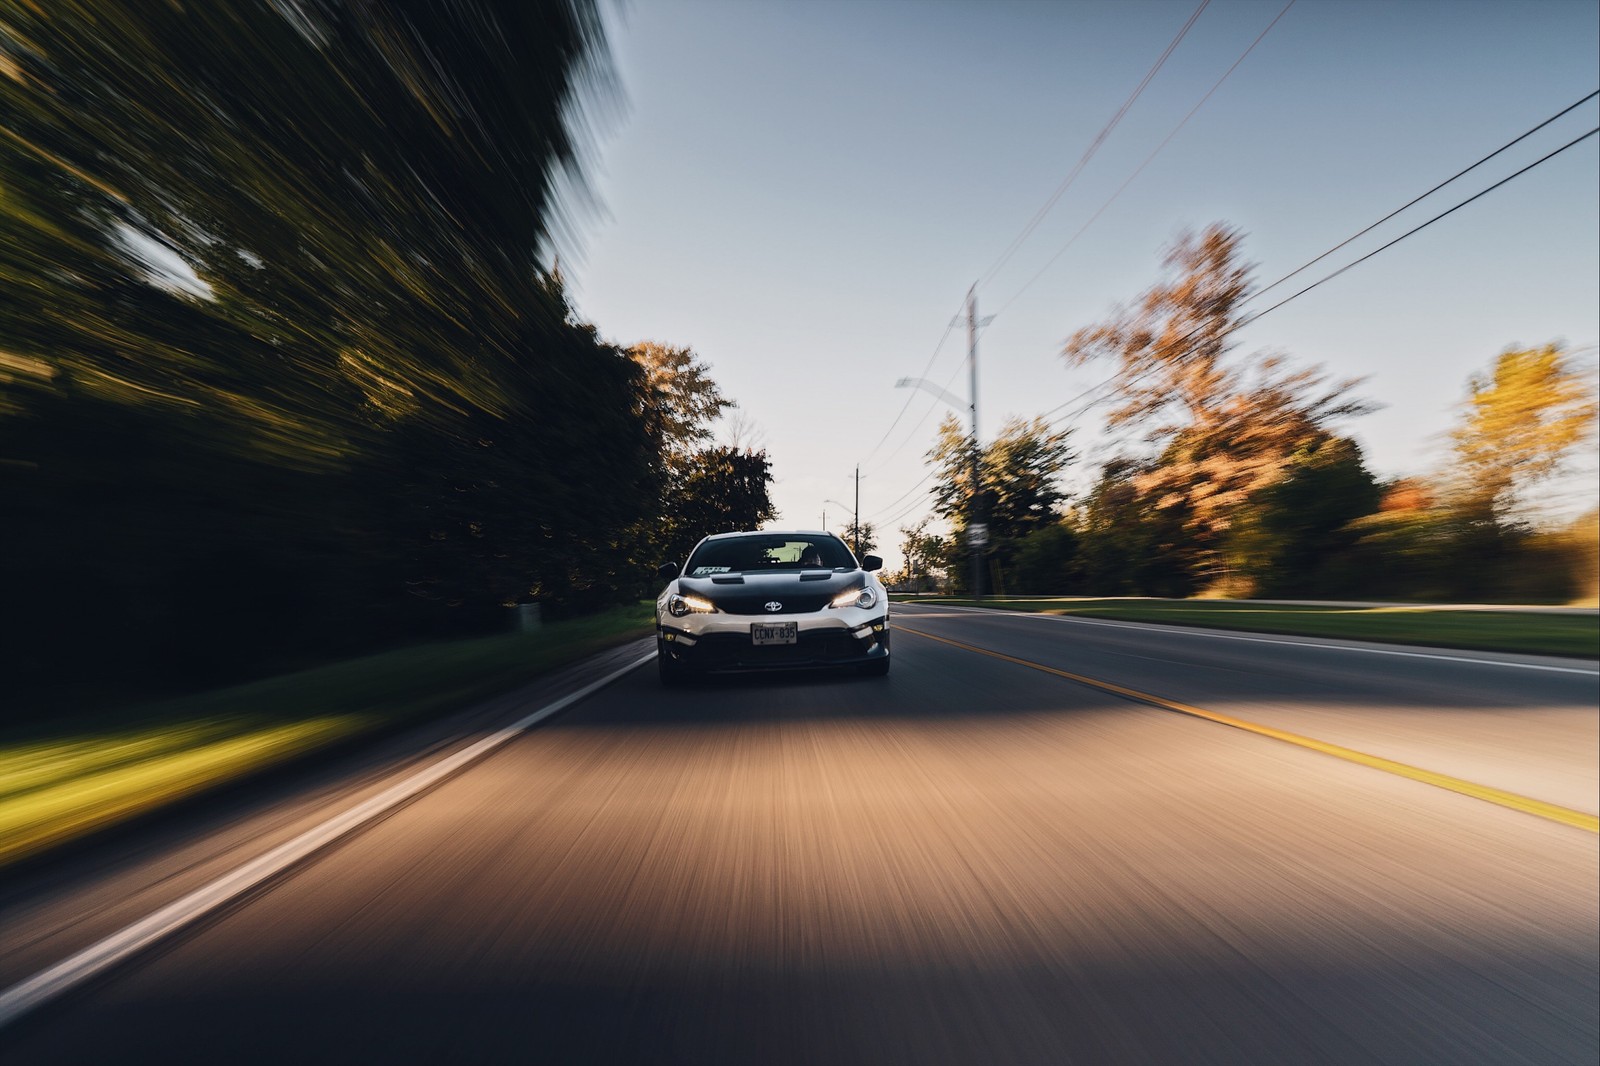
(688, 400)
(281, 376)
(709, 488)
(1443, 553)
(1127, 544)
(1226, 425)
(1019, 487)
(862, 541)
(1247, 490)
(1296, 526)
(924, 557)
(716, 490)
(1048, 558)
(1326, 531)
(1520, 421)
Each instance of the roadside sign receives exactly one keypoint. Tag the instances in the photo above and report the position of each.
(977, 535)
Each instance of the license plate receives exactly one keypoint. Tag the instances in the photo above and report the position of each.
(774, 633)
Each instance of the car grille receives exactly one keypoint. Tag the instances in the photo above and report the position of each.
(758, 604)
(724, 651)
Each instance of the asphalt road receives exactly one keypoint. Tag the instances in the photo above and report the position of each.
(970, 861)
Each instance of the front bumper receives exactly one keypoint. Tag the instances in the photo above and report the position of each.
(722, 643)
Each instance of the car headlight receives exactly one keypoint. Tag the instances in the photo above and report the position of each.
(678, 605)
(865, 598)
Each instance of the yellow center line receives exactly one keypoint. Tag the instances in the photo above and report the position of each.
(1564, 815)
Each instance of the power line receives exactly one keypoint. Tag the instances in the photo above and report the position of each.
(896, 501)
(1430, 192)
(1050, 202)
(903, 407)
(1033, 223)
(1416, 229)
(914, 429)
(948, 381)
(1329, 277)
(1094, 146)
(1147, 160)
(1090, 391)
(904, 514)
(932, 405)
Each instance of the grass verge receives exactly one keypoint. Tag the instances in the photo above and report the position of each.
(66, 777)
(1509, 630)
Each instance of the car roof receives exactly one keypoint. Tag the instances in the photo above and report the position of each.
(772, 533)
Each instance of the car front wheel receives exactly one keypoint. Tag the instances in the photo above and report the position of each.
(670, 672)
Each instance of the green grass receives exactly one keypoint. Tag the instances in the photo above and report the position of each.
(69, 776)
(1538, 632)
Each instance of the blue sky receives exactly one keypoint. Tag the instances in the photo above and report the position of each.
(804, 192)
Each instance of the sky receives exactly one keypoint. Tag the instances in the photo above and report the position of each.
(803, 193)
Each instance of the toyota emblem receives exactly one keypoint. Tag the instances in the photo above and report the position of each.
(773, 605)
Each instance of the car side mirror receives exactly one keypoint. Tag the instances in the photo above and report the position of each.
(872, 562)
(667, 571)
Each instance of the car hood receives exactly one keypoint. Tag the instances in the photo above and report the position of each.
(797, 591)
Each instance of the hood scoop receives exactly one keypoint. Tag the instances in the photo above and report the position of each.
(728, 579)
(815, 575)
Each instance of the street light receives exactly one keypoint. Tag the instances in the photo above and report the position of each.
(928, 386)
(977, 530)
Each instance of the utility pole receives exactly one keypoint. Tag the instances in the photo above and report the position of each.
(857, 519)
(977, 531)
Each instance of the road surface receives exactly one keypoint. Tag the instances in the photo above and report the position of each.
(1004, 852)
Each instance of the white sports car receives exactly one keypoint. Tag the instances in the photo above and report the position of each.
(771, 600)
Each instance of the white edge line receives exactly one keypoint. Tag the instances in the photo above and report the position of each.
(1197, 631)
(46, 985)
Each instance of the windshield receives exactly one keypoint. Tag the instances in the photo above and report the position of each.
(780, 551)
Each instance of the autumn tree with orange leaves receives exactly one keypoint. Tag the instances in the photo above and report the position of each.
(1224, 426)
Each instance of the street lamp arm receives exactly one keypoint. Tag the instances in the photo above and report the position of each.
(928, 386)
(855, 521)
(977, 527)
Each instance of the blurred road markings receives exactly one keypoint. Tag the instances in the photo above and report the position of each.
(48, 984)
(1326, 644)
(1564, 815)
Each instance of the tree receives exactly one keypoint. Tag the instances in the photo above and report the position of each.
(1408, 554)
(706, 488)
(862, 540)
(742, 433)
(1224, 427)
(1472, 541)
(924, 554)
(715, 491)
(1019, 490)
(954, 492)
(686, 400)
(1019, 473)
(275, 324)
(1295, 526)
(1047, 561)
(1127, 545)
(1521, 420)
